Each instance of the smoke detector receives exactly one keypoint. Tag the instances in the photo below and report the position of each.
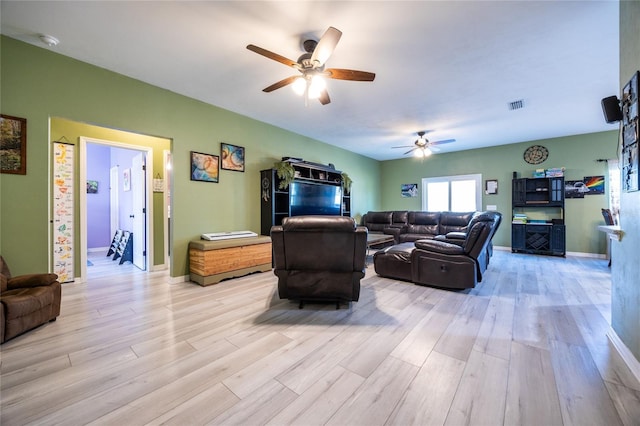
(49, 40)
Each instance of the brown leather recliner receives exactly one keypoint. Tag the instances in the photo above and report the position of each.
(26, 301)
(319, 258)
(442, 264)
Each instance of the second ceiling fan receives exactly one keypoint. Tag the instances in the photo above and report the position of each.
(311, 66)
(423, 147)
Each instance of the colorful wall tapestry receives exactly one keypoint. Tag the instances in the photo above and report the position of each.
(63, 211)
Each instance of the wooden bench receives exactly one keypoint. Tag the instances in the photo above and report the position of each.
(213, 261)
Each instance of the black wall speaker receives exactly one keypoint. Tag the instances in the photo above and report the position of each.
(611, 109)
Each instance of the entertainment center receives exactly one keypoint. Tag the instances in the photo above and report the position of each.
(543, 197)
(316, 189)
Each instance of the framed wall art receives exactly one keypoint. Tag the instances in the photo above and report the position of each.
(126, 180)
(631, 134)
(232, 157)
(491, 186)
(92, 187)
(13, 145)
(409, 189)
(595, 184)
(204, 167)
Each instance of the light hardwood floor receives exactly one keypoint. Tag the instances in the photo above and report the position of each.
(528, 346)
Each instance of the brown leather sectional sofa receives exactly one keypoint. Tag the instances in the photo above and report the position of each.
(409, 226)
(455, 258)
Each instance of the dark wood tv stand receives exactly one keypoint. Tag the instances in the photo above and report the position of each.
(275, 202)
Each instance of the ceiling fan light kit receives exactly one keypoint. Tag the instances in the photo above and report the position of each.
(423, 147)
(312, 83)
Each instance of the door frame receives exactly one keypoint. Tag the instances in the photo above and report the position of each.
(83, 200)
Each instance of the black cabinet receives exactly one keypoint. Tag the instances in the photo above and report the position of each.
(538, 216)
(545, 192)
(277, 202)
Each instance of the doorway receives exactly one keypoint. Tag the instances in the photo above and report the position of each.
(132, 180)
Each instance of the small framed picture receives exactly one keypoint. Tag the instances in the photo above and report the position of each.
(204, 167)
(13, 145)
(232, 157)
(491, 186)
(409, 189)
(126, 180)
(92, 187)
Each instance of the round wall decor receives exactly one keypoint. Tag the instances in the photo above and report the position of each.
(536, 154)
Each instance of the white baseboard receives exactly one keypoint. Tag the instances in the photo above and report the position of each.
(178, 280)
(98, 249)
(628, 357)
(590, 255)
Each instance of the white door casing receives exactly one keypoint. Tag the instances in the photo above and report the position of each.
(139, 212)
(114, 198)
(83, 198)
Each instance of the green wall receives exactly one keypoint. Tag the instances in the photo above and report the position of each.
(625, 273)
(578, 154)
(38, 85)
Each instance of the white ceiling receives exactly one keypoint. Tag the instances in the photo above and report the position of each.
(451, 67)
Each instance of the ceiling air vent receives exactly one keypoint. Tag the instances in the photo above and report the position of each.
(516, 104)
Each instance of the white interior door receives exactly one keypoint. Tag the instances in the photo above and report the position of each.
(114, 205)
(139, 211)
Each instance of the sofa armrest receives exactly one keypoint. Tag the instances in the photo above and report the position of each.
(277, 247)
(31, 280)
(456, 235)
(437, 246)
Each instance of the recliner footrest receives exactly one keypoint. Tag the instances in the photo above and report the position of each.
(394, 261)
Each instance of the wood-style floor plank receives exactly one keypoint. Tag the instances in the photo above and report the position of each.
(527, 346)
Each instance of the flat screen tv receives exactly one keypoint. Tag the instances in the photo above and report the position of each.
(314, 199)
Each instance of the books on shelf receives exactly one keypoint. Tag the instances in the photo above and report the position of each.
(552, 172)
(555, 172)
(519, 218)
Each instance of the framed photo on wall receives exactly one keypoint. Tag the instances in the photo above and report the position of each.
(92, 187)
(204, 167)
(232, 157)
(13, 145)
(126, 180)
(409, 189)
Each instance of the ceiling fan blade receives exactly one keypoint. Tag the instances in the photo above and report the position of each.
(271, 55)
(411, 150)
(343, 74)
(325, 46)
(441, 142)
(403, 146)
(280, 83)
(324, 97)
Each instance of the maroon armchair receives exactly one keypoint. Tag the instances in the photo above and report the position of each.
(26, 301)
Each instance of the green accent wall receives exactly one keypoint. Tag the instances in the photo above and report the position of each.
(39, 85)
(625, 268)
(578, 154)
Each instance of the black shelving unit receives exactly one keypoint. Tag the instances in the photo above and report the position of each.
(546, 197)
(275, 201)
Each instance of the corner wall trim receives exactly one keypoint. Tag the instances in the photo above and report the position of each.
(626, 355)
(177, 280)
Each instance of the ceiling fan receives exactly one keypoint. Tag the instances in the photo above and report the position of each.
(311, 83)
(423, 146)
